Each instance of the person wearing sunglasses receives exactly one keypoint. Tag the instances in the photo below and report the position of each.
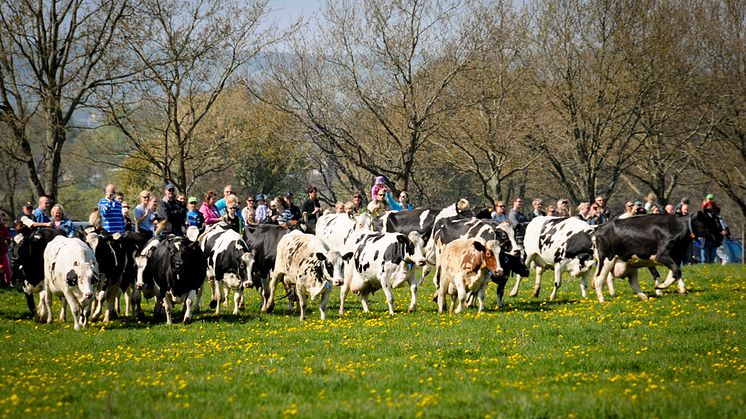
(232, 215)
(379, 207)
(249, 212)
(499, 214)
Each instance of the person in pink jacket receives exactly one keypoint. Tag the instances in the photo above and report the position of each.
(380, 183)
(208, 209)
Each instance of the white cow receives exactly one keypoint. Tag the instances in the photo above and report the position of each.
(562, 244)
(70, 271)
(465, 266)
(377, 264)
(304, 262)
(336, 231)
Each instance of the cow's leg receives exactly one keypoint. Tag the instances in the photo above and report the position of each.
(557, 281)
(364, 301)
(610, 284)
(216, 296)
(237, 299)
(300, 293)
(634, 283)
(128, 302)
(386, 286)
(442, 296)
(657, 281)
(270, 292)
(44, 308)
(168, 306)
(188, 305)
(74, 309)
(324, 301)
(584, 283)
(111, 303)
(63, 310)
(516, 286)
(537, 282)
(342, 295)
(501, 281)
(413, 291)
(480, 297)
(198, 300)
(675, 273)
(458, 281)
(603, 270)
(137, 303)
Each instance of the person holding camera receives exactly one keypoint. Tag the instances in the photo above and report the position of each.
(172, 213)
(111, 211)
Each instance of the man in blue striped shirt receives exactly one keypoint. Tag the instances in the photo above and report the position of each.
(111, 211)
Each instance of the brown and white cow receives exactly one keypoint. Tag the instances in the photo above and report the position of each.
(465, 267)
(306, 264)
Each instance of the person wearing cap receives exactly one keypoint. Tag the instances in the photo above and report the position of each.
(708, 251)
(110, 210)
(379, 183)
(639, 208)
(220, 203)
(208, 209)
(311, 209)
(171, 213)
(26, 217)
(194, 217)
(291, 209)
(262, 209)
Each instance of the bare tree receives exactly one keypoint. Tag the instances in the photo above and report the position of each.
(53, 56)
(591, 129)
(371, 89)
(189, 52)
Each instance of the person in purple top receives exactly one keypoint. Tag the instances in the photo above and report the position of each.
(111, 211)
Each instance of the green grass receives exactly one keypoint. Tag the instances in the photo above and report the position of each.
(674, 356)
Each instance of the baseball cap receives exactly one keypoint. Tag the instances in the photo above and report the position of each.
(638, 203)
(289, 194)
(260, 197)
(28, 205)
(380, 180)
(710, 196)
(192, 199)
(169, 185)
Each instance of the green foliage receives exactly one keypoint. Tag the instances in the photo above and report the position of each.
(672, 356)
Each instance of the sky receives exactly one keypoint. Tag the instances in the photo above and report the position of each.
(287, 11)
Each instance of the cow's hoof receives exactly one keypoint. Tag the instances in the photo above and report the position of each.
(140, 315)
(187, 320)
(642, 296)
(213, 304)
(411, 309)
(113, 315)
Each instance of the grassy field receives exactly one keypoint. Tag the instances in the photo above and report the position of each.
(674, 356)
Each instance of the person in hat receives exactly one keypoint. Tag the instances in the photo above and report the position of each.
(379, 183)
(710, 204)
(194, 217)
(639, 208)
(26, 217)
(262, 209)
(112, 219)
(708, 251)
(171, 212)
(292, 211)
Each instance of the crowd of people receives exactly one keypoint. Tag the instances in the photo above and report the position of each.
(174, 212)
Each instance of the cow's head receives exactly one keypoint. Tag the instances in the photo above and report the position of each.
(489, 256)
(707, 225)
(415, 248)
(247, 263)
(141, 261)
(505, 234)
(331, 266)
(84, 276)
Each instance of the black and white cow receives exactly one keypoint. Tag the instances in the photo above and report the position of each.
(263, 239)
(133, 243)
(450, 229)
(305, 264)
(623, 246)
(229, 263)
(420, 220)
(112, 260)
(177, 267)
(377, 264)
(337, 231)
(70, 272)
(561, 244)
(28, 260)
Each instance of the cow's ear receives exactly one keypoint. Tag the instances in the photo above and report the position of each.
(320, 256)
(347, 256)
(479, 246)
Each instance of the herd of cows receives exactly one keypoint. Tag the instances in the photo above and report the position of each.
(89, 273)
